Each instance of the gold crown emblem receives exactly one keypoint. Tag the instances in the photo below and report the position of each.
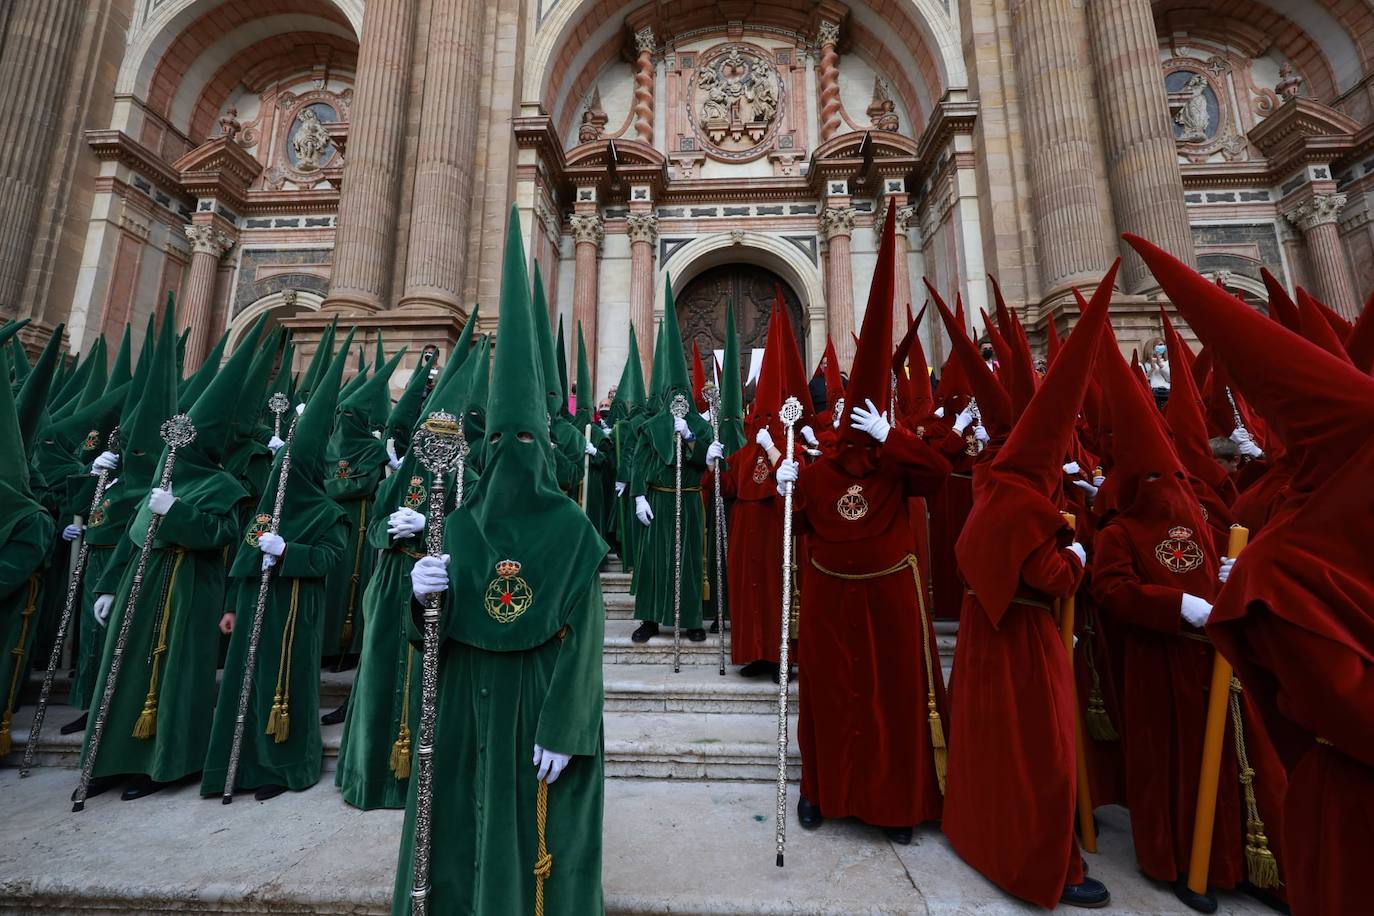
(1180, 533)
(417, 481)
(263, 519)
(508, 569)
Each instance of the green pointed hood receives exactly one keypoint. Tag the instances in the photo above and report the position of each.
(516, 511)
(19, 361)
(156, 401)
(81, 385)
(182, 338)
(407, 410)
(629, 392)
(251, 409)
(731, 395)
(670, 374)
(9, 329)
(354, 448)
(17, 503)
(356, 382)
(32, 400)
(481, 384)
(370, 400)
(283, 381)
(121, 370)
(190, 390)
(214, 412)
(548, 361)
(318, 363)
(586, 399)
(84, 431)
(459, 357)
(561, 351)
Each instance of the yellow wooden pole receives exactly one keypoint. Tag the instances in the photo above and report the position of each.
(1086, 829)
(1204, 819)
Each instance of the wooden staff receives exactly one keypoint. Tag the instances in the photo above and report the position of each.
(586, 466)
(78, 572)
(1204, 819)
(790, 414)
(177, 432)
(1087, 830)
(440, 447)
(678, 409)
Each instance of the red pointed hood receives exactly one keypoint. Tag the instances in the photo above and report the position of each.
(1281, 307)
(1313, 325)
(1320, 406)
(1052, 345)
(1019, 367)
(781, 376)
(1016, 496)
(1184, 414)
(870, 378)
(1337, 322)
(830, 367)
(915, 398)
(1360, 344)
(698, 378)
(993, 401)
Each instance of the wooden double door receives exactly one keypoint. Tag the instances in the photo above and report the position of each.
(751, 289)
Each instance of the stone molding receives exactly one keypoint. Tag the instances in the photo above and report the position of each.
(836, 221)
(827, 33)
(642, 227)
(208, 240)
(1316, 210)
(644, 41)
(906, 218)
(587, 227)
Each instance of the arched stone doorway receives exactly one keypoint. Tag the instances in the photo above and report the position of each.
(751, 288)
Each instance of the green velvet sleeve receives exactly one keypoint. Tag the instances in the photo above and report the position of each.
(24, 553)
(186, 526)
(313, 561)
(570, 721)
(124, 554)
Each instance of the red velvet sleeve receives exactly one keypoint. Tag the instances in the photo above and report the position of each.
(1052, 570)
(951, 445)
(925, 468)
(1117, 588)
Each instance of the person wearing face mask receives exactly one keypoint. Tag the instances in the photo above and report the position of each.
(1157, 371)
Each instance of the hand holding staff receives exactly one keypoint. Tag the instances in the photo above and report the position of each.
(440, 447)
(177, 432)
(791, 413)
(711, 392)
(102, 481)
(1087, 830)
(678, 409)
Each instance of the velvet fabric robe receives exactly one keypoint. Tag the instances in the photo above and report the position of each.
(754, 568)
(22, 561)
(353, 488)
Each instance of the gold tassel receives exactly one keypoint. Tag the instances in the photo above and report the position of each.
(937, 741)
(543, 866)
(279, 720)
(400, 754)
(146, 726)
(1260, 865)
(1100, 726)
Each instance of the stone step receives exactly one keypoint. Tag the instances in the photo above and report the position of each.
(632, 688)
(615, 582)
(619, 650)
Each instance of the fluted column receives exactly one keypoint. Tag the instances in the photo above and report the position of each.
(837, 225)
(1317, 217)
(197, 308)
(40, 42)
(364, 242)
(642, 228)
(588, 234)
(1071, 239)
(1142, 158)
(436, 259)
(828, 81)
(901, 298)
(643, 105)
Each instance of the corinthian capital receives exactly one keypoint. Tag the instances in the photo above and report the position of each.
(642, 227)
(587, 228)
(644, 41)
(828, 33)
(208, 240)
(1316, 210)
(837, 221)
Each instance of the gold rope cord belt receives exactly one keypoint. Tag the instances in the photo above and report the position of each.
(146, 726)
(346, 633)
(658, 489)
(1196, 637)
(1260, 865)
(279, 720)
(938, 747)
(1028, 602)
(30, 607)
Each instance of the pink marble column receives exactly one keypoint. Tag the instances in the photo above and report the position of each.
(368, 200)
(837, 225)
(588, 234)
(642, 228)
(643, 105)
(197, 308)
(1317, 218)
(902, 297)
(828, 81)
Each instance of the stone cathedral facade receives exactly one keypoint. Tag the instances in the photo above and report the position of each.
(312, 158)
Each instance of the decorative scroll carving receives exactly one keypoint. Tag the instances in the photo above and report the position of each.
(736, 101)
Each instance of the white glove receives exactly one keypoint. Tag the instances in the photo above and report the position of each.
(642, 510)
(103, 603)
(981, 434)
(72, 532)
(550, 764)
(809, 435)
(680, 427)
(1245, 444)
(105, 461)
(404, 523)
(1072, 468)
(589, 448)
(275, 443)
(1225, 572)
(1098, 480)
(940, 411)
(300, 409)
(835, 420)
(1077, 550)
(160, 501)
(787, 474)
(714, 453)
(765, 439)
(619, 488)
(272, 544)
(392, 461)
(429, 576)
(1195, 610)
(1085, 487)
(706, 415)
(870, 421)
(963, 421)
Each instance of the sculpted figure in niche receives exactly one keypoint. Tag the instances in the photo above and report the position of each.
(762, 94)
(713, 108)
(1193, 116)
(310, 141)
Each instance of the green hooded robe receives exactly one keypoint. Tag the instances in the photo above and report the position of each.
(626, 407)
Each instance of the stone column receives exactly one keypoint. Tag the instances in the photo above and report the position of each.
(40, 42)
(364, 242)
(1317, 217)
(902, 297)
(827, 36)
(588, 234)
(643, 105)
(642, 228)
(837, 225)
(1071, 240)
(196, 310)
(1143, 172)
(436, 259)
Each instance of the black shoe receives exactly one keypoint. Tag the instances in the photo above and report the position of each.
(328, 661)
(715, 627)
(142, 787)
(1090, 895)
(697, 635)
(647, 630)
(335, 717)
(74, 726)
(808, 815)
(346, 663)
(758, 668)
(1203, 903)
(265, 793)
(99, 785)
(899, 835)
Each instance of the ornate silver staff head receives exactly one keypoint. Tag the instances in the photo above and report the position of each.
(679, 406)
(112, 440)
(440, 442)
(179, 431)
(791, 412)
(279, 403)
(711, 392)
